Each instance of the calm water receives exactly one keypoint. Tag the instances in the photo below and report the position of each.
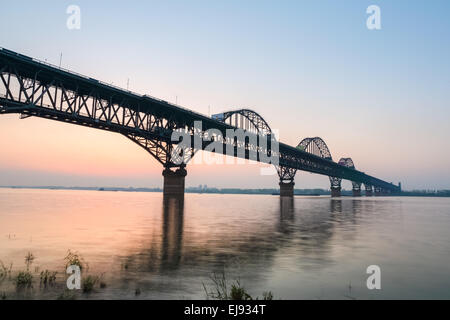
(306, 248)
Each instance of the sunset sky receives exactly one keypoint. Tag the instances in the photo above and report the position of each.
(310, 68)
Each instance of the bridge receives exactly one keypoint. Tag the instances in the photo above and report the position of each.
(33, 88)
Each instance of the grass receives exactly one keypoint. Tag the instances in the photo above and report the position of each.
(75, 259)
(219, 290)
(67, 295)
(238, 293)
(5, 271)
(29, 258)
(88, 283)
(48, 277)
(24, 279)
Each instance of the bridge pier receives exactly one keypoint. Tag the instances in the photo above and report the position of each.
(174, 182)
(287, 176)
(335, 192)
(356, 189)
(378, 192)
(369, 190)
(287, 189)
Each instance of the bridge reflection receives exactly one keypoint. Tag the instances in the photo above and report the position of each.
(172, 234)
(304, 236)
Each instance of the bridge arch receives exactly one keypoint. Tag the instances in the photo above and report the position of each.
(247, 119)
(251, 121)
(348, 162)
(315, 146)
(318, 147)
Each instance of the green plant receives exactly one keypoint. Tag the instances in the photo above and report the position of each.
(5, 271)
(67, 295)
(75, 259)
(89, 283)
(220, 291)
(268, 295)
(48, 277)
(24, 279)
(29, 258)
(238, 293)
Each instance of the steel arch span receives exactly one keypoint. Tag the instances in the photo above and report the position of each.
(347, 162)
(315, 146)
(251, 121)
(356, 186)
(248, 120)
(318, 147)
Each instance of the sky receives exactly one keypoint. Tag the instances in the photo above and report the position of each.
(310, 68)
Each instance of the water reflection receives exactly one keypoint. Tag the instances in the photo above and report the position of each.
(336, 206)
(287, 215)
(248, 251)
(172, 234)
(168, 247)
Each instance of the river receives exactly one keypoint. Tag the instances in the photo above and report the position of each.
(144, 247)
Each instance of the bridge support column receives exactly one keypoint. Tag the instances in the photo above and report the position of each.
(335, 192)
(335, 187)
(369, 190)
(174, 181)
(356, 189)
(377, 192)
(287, 176)
(287, 189)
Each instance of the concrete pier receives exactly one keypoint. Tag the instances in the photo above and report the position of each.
(287, 189)
(357, 193)
(369, 193)
(174, 182)
(335, 192)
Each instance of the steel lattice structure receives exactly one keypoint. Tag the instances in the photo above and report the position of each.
(318, 147)
(248, 120)
(32, 88)
(315, 146)
(348, 162)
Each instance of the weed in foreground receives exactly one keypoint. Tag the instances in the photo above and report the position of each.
(219, 290)
(48, 277)
(24, 279)
(88, 284)
(75, 259)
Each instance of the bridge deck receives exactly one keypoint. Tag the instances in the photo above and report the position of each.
(46, 75)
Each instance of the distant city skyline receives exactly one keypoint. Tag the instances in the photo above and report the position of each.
(309, 68)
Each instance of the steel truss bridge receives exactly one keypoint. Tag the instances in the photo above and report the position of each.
(33, 88)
